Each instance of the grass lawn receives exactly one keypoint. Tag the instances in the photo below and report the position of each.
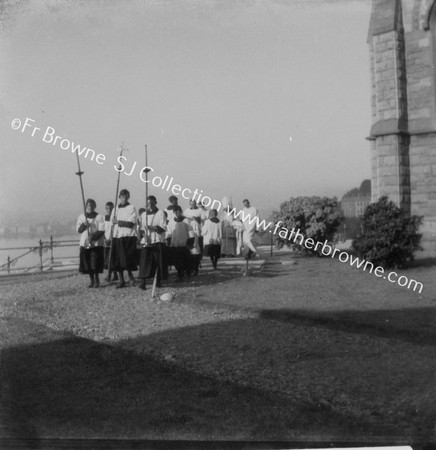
(312, 351)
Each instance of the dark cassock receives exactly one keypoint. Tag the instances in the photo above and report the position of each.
(153, 253)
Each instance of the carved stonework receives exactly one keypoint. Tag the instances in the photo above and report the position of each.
(424, 14)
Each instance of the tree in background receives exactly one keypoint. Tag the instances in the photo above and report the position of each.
(317, 218)
(389, 235)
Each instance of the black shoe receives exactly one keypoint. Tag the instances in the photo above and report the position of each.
(142, 286)
(91, 285)
(97, 284)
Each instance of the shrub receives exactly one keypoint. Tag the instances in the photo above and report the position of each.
(389, 235)
(314, 217)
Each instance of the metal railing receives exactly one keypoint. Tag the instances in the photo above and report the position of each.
(45, 263)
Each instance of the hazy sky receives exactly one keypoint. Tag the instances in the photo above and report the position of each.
(259, 99)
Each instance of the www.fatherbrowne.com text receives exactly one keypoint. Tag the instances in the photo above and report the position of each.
(296, 237)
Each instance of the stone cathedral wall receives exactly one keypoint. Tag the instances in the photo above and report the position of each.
(402, 43)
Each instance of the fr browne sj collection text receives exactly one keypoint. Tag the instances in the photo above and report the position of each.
(50, 137)
(166, 183)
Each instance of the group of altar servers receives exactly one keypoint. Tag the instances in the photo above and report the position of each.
(155, 239)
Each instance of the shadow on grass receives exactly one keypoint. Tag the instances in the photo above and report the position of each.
(205, 278)
(375, 384)
(224, 274)
(423, 262)
(415, 325)
(59, 385)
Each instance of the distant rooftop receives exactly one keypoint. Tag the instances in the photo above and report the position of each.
(363, 191)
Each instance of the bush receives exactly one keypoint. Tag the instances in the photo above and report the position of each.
(314, 217)
(389, 235)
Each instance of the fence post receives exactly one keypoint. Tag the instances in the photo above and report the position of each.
(9, 265)
(51, 249)
(40, 256)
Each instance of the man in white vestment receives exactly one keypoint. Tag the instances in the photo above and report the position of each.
(250, 227)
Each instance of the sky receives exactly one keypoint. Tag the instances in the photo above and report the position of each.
(264, 100)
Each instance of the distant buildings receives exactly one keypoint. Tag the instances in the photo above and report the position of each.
(355, 201)
(9, 230)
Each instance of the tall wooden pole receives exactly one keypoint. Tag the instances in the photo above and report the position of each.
(146, 176)
(146, 196)
(147, 234)
(146, 170)
(79, 173)
(122, 149)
